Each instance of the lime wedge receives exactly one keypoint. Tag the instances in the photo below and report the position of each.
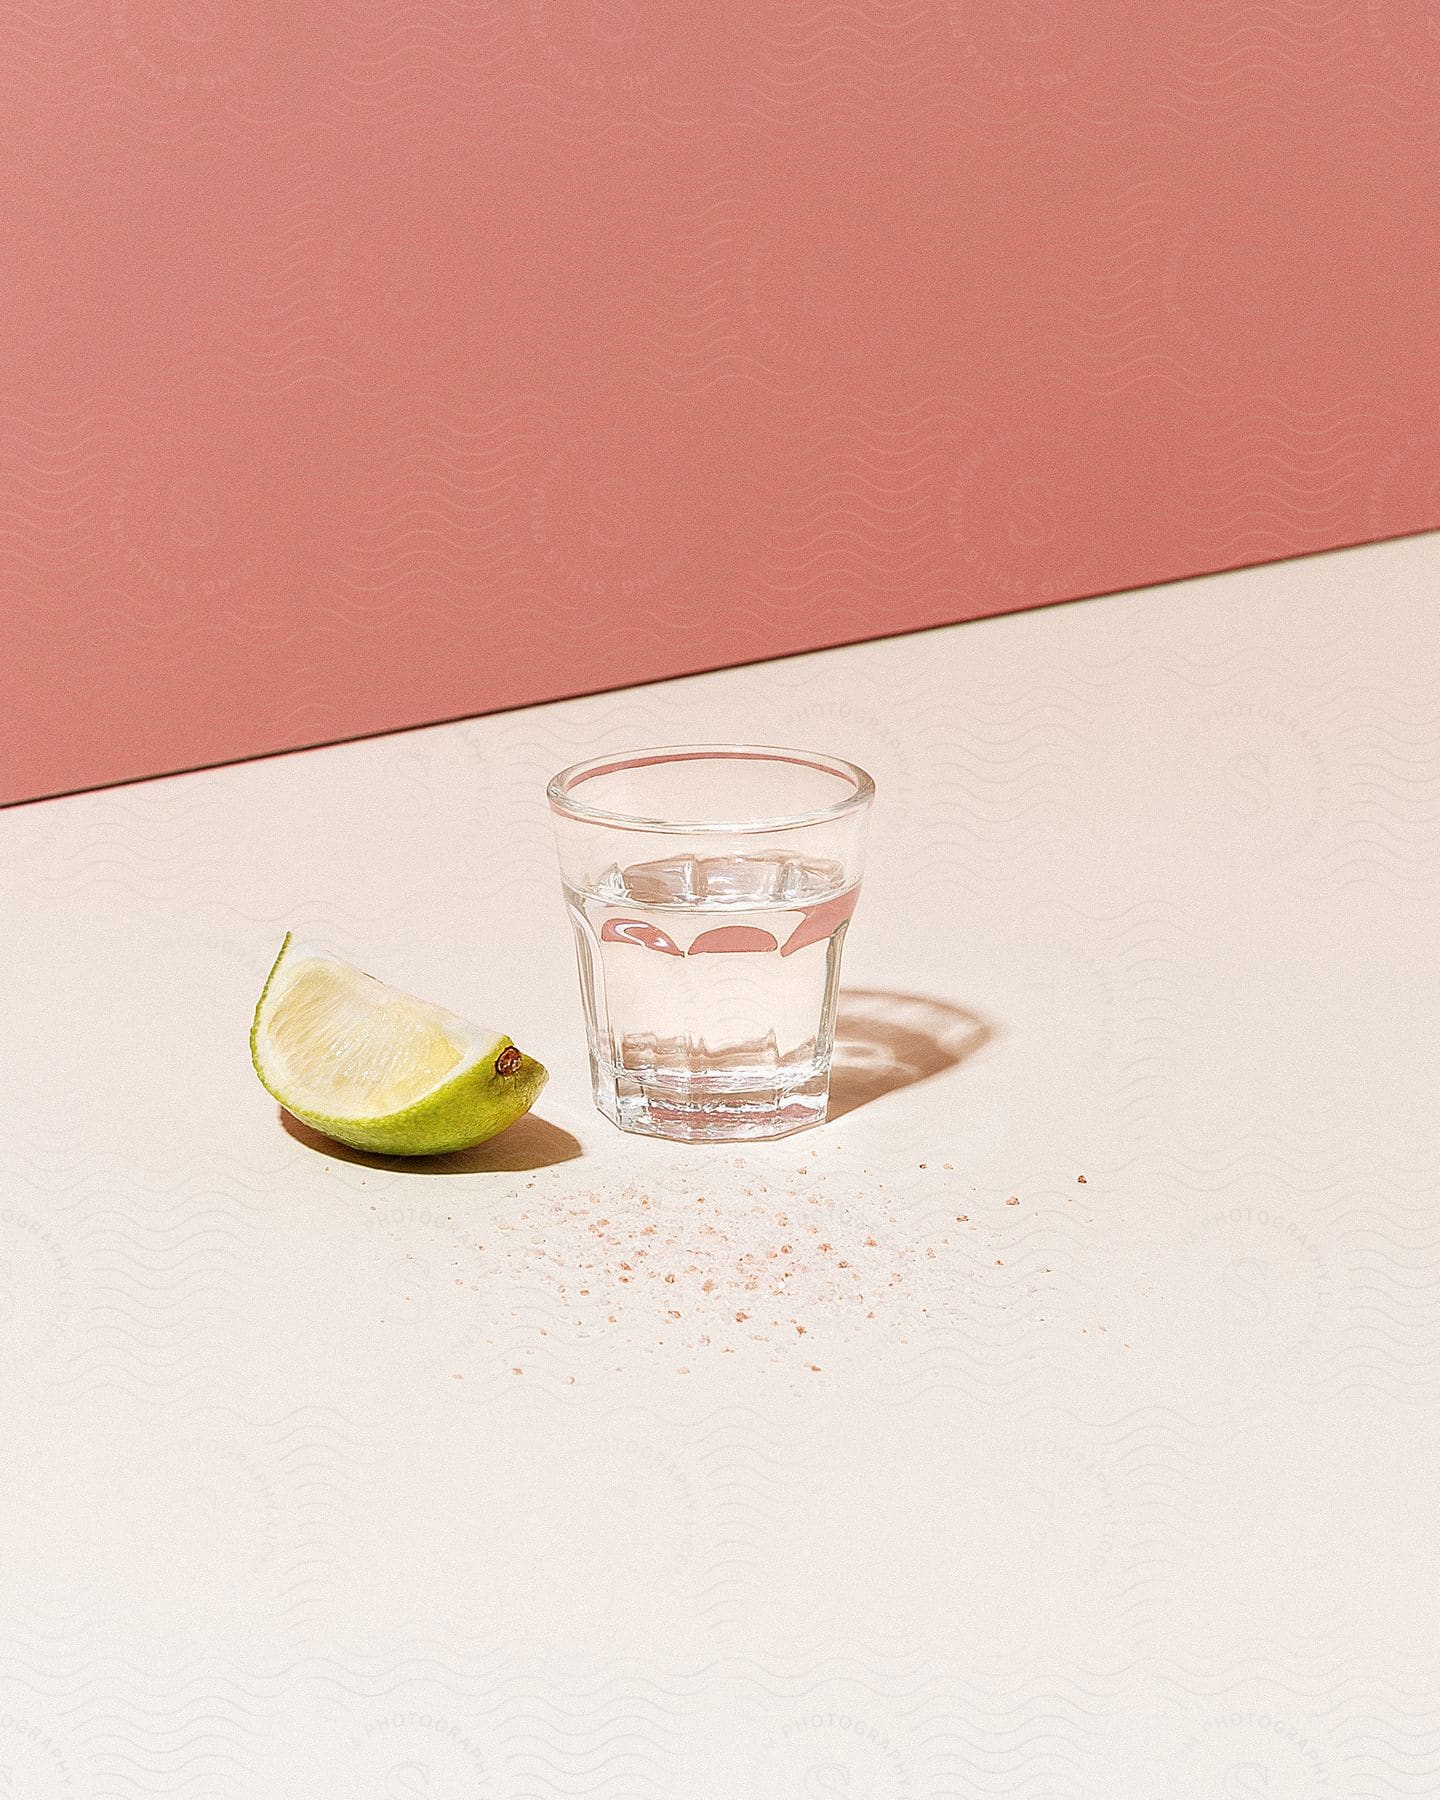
(379, 1069)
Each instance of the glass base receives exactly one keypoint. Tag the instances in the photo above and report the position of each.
(711, 1109)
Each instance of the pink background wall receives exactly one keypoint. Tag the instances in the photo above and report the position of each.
(377, 361)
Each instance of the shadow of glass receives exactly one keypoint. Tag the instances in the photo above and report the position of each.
(885, 1041)
(529, 1143)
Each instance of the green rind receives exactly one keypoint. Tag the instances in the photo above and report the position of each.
(463, 1112)
(260, 1007)
(474, 1107)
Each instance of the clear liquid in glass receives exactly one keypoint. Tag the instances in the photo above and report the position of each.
(709, 986)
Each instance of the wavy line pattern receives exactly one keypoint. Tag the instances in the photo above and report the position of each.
(494, 510)
(152, 845)
(276, 334)
(560, 85)
(840, 59)
(1112, 331)
(128, 1290)
(418, 58)
(40, 44)
(902, 1721)
(705, 1482)
(1034, 71)
(1387, 834)
(56, 470)
(864, 511)
(1265, 67)
(1282, 473)
(1260, 61)
(701, 335)
(445, 517)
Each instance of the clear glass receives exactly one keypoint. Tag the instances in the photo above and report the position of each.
(710, 887)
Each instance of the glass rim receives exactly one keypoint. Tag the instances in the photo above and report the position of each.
(559, 789)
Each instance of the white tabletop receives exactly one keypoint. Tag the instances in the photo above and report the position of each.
(1089, 1445)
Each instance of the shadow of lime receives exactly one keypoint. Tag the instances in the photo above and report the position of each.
(530, 1143)
(885, 1041)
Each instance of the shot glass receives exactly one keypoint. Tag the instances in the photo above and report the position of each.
(710, 887)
